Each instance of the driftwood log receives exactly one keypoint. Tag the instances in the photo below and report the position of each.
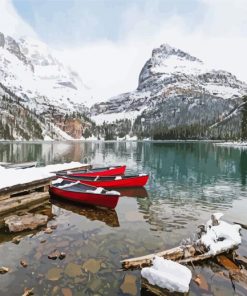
(188, 254)
(183, 254)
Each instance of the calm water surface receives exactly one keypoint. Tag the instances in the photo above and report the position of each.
(188, 181)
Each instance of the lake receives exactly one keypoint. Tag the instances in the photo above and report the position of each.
(188, 181)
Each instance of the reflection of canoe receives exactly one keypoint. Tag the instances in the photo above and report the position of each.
(106, 171)
(23, 165)
(133, 192)
(108, 216)
(111, 181)
(75, 191)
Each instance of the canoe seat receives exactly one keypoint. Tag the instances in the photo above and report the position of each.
(97, 190)
(68, 185)
(118, 178)
(112, 192)
(57, 181)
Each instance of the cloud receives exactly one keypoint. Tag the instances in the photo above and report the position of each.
(11, 23)
(216, 34)
(212, 30)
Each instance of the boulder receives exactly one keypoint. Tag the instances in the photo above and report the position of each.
(29, 221)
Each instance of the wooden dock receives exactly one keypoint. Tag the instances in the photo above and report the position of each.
(28, 195)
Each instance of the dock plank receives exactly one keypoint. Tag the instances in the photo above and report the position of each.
(29, 194)
(20, 202)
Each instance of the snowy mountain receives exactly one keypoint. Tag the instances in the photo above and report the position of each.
(175, 90)
(28, 69)
(31, 76)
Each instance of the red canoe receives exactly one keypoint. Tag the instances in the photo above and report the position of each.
(111, 181)
(82, 193)
(106, 171)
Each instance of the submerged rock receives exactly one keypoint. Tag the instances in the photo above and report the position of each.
(129, 285)
(73, 270)
(4, 269)
(54, 274)
(23, 263)
(54, 255)
(29, 221)
(95, 284)
(28, 292)
(201, 282)
(16, 240)
(92, 265)
(62, 256)
(48, 230)
(55, 290)
(67, 292)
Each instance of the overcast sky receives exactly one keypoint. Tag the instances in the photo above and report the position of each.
(108, 41)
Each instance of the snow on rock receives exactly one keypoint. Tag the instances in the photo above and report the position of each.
(11, 177)
(222, 237)
(168, 274)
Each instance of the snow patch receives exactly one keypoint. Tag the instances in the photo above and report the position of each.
(168, 274)
(221, 237)
(232, 144)
(111, 117)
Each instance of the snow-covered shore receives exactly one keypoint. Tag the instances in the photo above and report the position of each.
(11, 177)
(235, 144)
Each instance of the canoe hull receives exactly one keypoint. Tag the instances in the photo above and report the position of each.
(113, 172)
(101, 200)
(138, 181)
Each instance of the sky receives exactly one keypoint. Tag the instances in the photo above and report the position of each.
(108, 41)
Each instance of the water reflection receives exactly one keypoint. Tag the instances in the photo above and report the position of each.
(109, 217)
(133, 192)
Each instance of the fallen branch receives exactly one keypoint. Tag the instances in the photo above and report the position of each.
(197, 251)
(144, 261)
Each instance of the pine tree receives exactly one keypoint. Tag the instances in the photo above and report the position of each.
(244, 119)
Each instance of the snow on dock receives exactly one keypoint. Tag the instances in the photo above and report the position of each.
(12, 177)
(25, 188)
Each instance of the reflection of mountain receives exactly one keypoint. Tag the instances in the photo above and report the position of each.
(46, 152)
(186, 178)
(243, 167)
(109, 217)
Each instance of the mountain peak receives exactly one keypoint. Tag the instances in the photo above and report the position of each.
(169, 61)
(165, 51)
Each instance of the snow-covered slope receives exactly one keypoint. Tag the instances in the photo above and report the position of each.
(29, 70)
(47, 97)
(176, 89)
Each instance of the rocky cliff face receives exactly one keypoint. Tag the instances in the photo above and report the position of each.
(176, 93)
(32, 78)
